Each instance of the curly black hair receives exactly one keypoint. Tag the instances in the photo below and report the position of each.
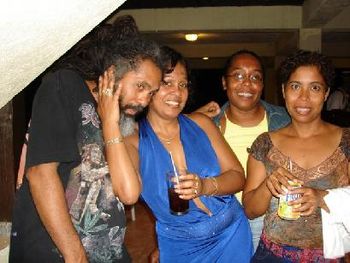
(91, 56)
(307, 58)
(125, 27)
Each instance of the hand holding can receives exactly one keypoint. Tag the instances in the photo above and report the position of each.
(285, 211)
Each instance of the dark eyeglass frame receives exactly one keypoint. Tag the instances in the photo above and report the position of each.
(235, 76)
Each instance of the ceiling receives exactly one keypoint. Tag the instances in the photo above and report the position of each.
(219, 45)
(167, 21)
(272, 29)
(137, 4)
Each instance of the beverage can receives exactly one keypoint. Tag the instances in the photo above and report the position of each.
(285, 211)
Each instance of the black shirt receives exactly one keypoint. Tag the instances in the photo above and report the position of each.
(65, 128)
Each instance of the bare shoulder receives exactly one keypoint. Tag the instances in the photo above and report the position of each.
(202, 121)
(333, 132)
(279, 137)
(278, 134)
(331, 128)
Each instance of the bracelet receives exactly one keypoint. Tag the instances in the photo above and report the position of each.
(115, 140)
(215, 184)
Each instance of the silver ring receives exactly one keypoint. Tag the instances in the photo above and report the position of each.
(108, 92)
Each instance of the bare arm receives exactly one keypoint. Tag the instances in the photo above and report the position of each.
(211, 109)
(125, 177)
(49, 198)
(231, 179)
(260, 188)
(256, 196)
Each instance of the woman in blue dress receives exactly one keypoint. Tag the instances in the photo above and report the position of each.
(215, 229)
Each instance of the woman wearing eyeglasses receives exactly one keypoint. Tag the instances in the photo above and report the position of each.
(245, 115)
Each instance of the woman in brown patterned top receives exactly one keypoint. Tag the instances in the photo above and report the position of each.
(309, 151)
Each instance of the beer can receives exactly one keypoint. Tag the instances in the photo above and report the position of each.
(284, 210)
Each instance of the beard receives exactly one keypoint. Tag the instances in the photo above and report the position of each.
(138, 109)
(127, 124)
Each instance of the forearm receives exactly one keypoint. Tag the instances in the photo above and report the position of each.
(229, 182)
(256, 201)
(124, 176)
(49, 198)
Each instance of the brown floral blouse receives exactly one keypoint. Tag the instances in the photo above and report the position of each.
(305, 232)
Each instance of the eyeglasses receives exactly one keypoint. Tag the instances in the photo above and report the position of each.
(240, 76)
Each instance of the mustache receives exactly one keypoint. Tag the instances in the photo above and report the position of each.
(136, 108)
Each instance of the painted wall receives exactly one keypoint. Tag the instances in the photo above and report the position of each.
(35, 33)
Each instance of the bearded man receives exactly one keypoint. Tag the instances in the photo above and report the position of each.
(78, 172)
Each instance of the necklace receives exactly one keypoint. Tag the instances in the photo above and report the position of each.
(168, 140)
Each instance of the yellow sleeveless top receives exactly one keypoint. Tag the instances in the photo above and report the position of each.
(240, 138)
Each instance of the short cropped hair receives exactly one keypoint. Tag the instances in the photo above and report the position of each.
(307, 58)
(233, 57)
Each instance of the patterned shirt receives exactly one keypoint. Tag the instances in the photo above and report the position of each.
(305, 232)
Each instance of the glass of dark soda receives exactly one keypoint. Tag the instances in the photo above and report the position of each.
(177, 205)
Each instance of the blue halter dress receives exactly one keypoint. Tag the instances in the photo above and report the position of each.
(194, 237)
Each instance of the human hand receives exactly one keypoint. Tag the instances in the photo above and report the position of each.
(210, 109)
(311, 199)
(190, 186)
(277, 182)
(108, 98)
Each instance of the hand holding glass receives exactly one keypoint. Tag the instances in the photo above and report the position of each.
(177, 205)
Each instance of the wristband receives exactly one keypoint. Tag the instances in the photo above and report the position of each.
(115, 140)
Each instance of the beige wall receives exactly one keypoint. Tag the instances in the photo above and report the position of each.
(35, 33)
(217, 18)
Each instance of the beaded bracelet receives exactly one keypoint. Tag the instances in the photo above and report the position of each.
(115, 140)
(215, 184)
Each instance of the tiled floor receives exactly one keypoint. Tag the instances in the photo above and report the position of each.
(140, 237)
